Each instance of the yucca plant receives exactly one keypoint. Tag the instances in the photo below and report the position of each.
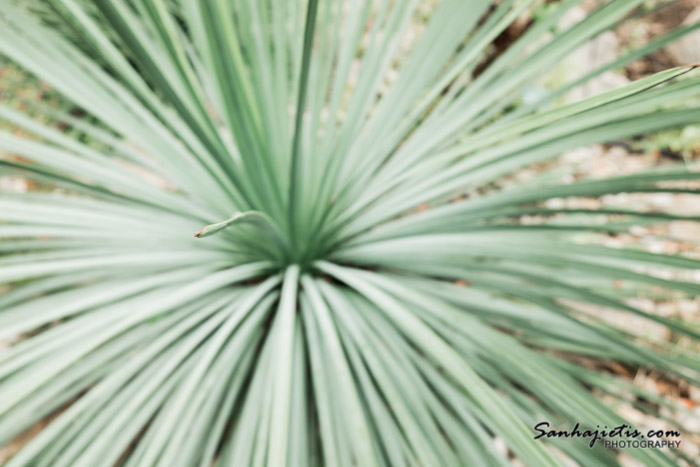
(362, 290)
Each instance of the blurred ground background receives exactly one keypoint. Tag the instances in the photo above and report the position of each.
(645, 153)
(24, 92)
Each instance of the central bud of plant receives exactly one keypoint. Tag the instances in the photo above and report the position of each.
(259, 236)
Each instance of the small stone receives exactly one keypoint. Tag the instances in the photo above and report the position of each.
(686, 50)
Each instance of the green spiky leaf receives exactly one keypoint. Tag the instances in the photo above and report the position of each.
(380, 296)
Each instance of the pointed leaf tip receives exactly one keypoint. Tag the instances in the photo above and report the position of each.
(249, 217)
